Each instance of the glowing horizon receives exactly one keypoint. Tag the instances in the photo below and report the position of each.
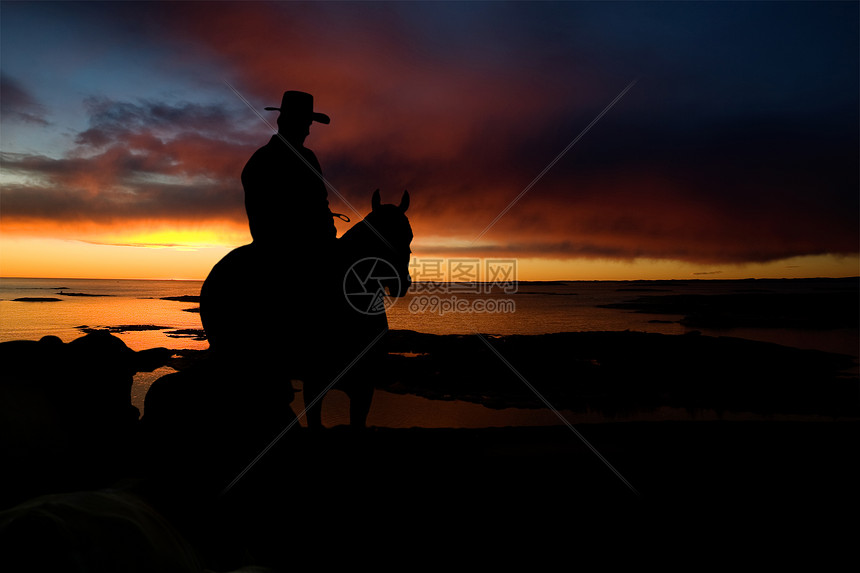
(53, 258)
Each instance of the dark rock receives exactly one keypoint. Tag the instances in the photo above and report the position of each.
(183, 298)
(623, 373)
(66, 417)
(92, 531)
(206, 421)
(121, 328)
(195, 333)
(83, 294)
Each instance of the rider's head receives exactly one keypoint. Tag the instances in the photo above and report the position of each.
(297, 114)
(293, 128)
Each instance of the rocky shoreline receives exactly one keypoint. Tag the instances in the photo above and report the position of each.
(622, 372)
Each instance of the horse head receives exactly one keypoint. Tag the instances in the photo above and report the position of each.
(383, 239)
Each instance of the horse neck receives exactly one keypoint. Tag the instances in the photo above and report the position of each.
(359, 242)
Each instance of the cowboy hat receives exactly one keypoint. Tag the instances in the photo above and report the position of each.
(300, 104)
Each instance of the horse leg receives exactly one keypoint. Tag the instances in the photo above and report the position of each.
(313, 405)
(360, 399)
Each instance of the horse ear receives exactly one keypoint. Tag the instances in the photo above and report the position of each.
(404, 202)
(375, 202)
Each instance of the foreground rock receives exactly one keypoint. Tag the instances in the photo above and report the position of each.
(66, 418)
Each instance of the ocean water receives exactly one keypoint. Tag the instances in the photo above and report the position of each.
(532, 308)
(142, 314)
(101, 303)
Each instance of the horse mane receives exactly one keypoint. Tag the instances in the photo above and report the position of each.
(382, 220)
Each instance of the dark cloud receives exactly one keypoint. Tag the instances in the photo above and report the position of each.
(112, 121)
(18, 104)
(136, 161)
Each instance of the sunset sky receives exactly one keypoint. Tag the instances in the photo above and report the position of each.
(734, 154)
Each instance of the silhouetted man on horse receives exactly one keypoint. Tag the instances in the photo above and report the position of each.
(285, 195)
(307, 328)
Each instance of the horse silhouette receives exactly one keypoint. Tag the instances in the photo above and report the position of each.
(325, 326)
